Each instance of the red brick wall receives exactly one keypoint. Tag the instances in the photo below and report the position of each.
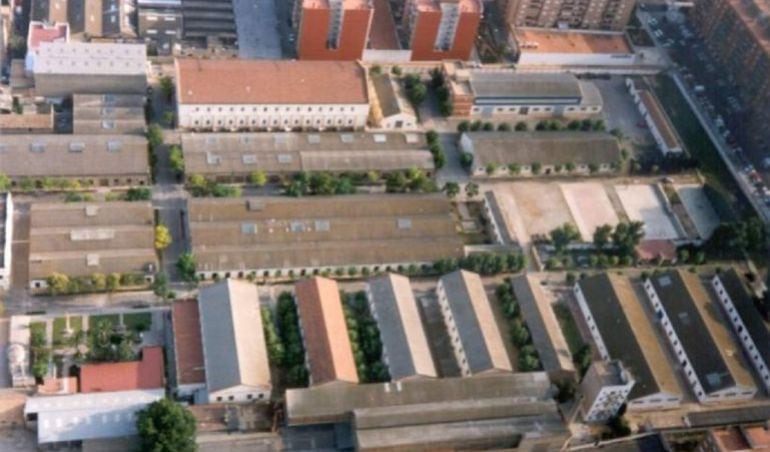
(426, 29)
(314, 26)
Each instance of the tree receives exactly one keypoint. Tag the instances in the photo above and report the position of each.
(431, 136)
(536, 168)
(417, 93)
(452, 189)
(627, 236)
(168, 118)
(99, 281)
(396, 70)
(258, 178)
(491, 168)
(463, 126)
(563, 236)
(113, 282)
(375, 70)
(58, 283)
(5, 182)
(521, 126)
(471, 189)
(162, 237)
(176, 159)
(138, 194)
(488, 127)
(155, 135)
(167, 87)
(602, 236)
(466, 160)
(187, 266)
(504, 127)
(166, 426)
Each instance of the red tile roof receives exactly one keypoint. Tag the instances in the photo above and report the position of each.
(40, 32)
(270, 82)
(127, 376)
(188, 348)
(325, 332)
(652, 249)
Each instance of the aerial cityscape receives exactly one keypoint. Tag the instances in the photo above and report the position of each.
(384, 225)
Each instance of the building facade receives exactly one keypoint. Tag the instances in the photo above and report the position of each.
(332, 29)
(6, 239)
(581, 14)
(505, 94)
(700, 341)
(622, 332)
(737, 38)
(746, 321)
(605, 388)
(658, 122)
(441, 29)
(159, 23)
(233, 95)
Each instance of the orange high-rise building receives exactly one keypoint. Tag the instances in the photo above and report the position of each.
(442, 29)
(332, 29)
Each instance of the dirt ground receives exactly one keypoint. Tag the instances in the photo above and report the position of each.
(542, 206)
(590, 207)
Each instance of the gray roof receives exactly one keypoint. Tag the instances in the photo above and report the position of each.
(546, 148)
(281, 153)
(391, 96)
(88, 58)
(628, 334)
(234, 348)
(542, 323)
(526, 86)
(401, 330)
(108, 113)
(704, 338)
(476, 324)
(335, 403)
(73, 156)
(748, 313)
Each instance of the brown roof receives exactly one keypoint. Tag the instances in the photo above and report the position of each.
(270, 82)
(147, 373)
(660, 118)
(326, 339)
(42, 121)
(382, 35)
(282, 232)
(281, 153)
(552, 41)
(188, 349)
(73, 156)
(79, 239)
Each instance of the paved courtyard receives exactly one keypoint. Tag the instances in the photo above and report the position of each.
(590, 207)
(256, 23)
(643, 203)
(698, 208)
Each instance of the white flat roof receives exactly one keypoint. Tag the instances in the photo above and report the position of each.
(91, 58)
(89, 416)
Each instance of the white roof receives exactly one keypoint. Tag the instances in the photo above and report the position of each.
(91, 58)
(89, 416)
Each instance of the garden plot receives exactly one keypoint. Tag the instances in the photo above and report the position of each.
(540, 207)
(590, 207)
(643, 203)
(698, 208)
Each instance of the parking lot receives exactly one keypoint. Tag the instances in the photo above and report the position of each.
(257, 25)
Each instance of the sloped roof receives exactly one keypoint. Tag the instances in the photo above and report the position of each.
(188, 346)
(234, 347)
(325, 332)
(147, 373)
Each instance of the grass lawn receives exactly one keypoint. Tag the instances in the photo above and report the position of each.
(696, 141)
(60, 324)
(568, 327)
(138, 321)
(113, 319)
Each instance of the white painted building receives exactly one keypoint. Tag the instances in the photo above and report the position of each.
(6, 239)
(234, 349)
(708, 355)
(79, 417)
(605, 388)
(232, 95)
(746, 321)
(622, 332)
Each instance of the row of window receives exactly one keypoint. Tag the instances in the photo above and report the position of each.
(275, 109)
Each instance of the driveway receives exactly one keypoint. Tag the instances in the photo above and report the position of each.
(257, 26)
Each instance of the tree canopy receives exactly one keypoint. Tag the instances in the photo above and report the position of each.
(166, 426)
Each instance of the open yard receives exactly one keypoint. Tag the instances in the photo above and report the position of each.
(112, 319)
(541, 206)
(60, 326)
(699, 209)
(590, 207)
(137, 321)
(643, 203)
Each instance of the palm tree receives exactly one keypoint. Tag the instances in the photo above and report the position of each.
(471, 189)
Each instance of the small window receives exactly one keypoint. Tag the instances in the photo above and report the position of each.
(77, 146)
(37, 146)
(114, 146)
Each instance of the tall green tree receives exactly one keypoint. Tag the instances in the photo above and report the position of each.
(166, 426)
